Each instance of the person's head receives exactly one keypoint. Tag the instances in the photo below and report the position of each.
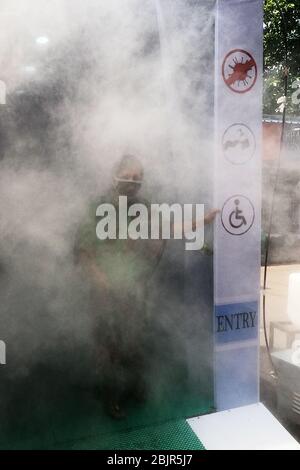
(128, 175)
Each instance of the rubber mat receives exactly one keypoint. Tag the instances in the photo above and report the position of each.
(46, 413)
(79, 421)
(174, 435)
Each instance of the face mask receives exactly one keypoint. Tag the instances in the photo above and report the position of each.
(127, 187)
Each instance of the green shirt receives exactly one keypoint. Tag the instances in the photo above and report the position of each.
(127, 264)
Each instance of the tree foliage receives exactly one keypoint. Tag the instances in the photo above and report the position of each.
(281, 43)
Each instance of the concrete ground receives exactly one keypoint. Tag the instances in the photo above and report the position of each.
(277, 290)
(276, 310)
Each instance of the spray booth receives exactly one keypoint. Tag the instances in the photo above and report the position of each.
(177, 83)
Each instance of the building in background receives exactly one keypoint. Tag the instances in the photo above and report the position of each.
(285, 233)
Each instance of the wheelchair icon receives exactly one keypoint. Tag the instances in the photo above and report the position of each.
(237, 217)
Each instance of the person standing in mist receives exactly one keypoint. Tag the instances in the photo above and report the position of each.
(118, 272)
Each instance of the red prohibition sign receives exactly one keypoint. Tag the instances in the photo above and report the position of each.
(239, 71)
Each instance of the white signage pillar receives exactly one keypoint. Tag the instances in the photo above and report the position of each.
(238, 122)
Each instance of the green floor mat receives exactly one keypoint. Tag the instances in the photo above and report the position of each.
(174, 435)
(86, 418)
(82, 424)
(67, 416)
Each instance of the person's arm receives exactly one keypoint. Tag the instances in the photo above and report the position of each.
(208, 219)
(85, 253)
(97, 276)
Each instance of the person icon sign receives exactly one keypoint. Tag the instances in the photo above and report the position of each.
(238, 215)
(236, 220)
